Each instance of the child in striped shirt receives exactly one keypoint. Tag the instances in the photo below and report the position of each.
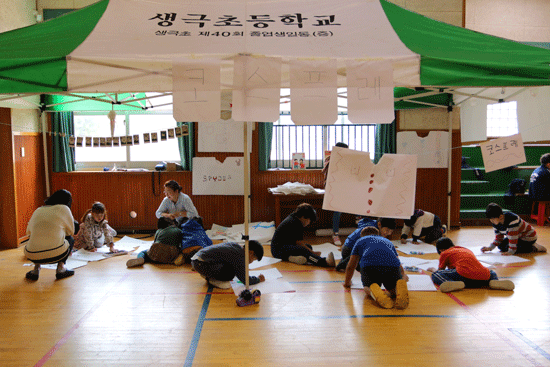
(513, 234)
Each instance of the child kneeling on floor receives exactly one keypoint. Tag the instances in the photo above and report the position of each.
(219, 264)
(459, 268)
(288, 242)
(166, 247)
(379, 265)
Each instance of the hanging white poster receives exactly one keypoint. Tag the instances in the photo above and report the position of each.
(212, 177)
(358, 186)
(502, 152)
(431, 151)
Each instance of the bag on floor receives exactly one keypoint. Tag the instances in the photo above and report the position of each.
(162, 253)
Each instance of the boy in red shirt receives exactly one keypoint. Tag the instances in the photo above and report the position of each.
(459, 268)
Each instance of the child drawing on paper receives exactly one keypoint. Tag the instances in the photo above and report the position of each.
(459, 268)
(423, 224)
(95, 230)
(378, 264)
(288, 240)
(166, 248)
(386, 226)
(512, 234)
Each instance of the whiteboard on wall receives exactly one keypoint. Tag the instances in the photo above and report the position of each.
(212, 177)
(223, 136)
(431, 151)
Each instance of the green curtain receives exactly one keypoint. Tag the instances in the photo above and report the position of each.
(265, 135)
(385, 140)
(186, 145)
(62, 128)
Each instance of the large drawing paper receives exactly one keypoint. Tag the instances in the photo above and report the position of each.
(412, 261)
(498, 258)
(265, 261)
(409, 247)
(358, 186)
(267, 287)
(502, 152)
(416, 282)
(256, 88)
(370, 92)
(196, 90)
(223, 136)
(212, 177)
(313, 92)
(326, 248)
(431, 151)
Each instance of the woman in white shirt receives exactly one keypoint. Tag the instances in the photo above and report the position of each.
(176, 205)
(50, 231)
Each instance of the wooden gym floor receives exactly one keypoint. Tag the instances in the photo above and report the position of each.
(108, 315)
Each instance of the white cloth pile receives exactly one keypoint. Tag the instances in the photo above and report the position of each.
(259, 231)
(295, 188)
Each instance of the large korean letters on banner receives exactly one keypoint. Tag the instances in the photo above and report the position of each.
(313, 92)
(503, 152)
(256, 89)
(196, 90)
(358, 186)
(370, 92)
(211, 177)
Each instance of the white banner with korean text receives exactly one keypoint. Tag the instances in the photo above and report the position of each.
(370, 92)
(313, 92)
(502, 152)
(196, 94)
(256, 89)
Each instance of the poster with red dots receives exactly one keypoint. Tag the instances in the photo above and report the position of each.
(356, 185)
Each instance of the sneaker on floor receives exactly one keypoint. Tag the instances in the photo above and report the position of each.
(539, 248)
(219, 283)
(336, 240)
(300, 260)
(132, 263)
(330, 260)
(504, 285)
(451, 286)
(380, 296)
(401, 295)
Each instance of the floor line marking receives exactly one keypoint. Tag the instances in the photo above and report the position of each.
(198, 329)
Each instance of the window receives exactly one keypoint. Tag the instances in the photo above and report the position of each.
(314, 140)
(144, 155)
(502, 119)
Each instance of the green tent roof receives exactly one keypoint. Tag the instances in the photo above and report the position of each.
(32, 59)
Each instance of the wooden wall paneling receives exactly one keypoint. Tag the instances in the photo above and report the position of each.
(8, 202)
(30, 177)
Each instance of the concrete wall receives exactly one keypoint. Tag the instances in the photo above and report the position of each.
(519, 20)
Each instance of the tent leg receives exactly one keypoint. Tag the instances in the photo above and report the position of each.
(450, 166)
(246, 202)
(43, 120)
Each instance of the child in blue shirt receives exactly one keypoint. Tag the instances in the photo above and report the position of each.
(386, 227)
(379, 265)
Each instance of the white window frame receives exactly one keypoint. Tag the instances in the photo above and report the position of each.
(128, 163)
